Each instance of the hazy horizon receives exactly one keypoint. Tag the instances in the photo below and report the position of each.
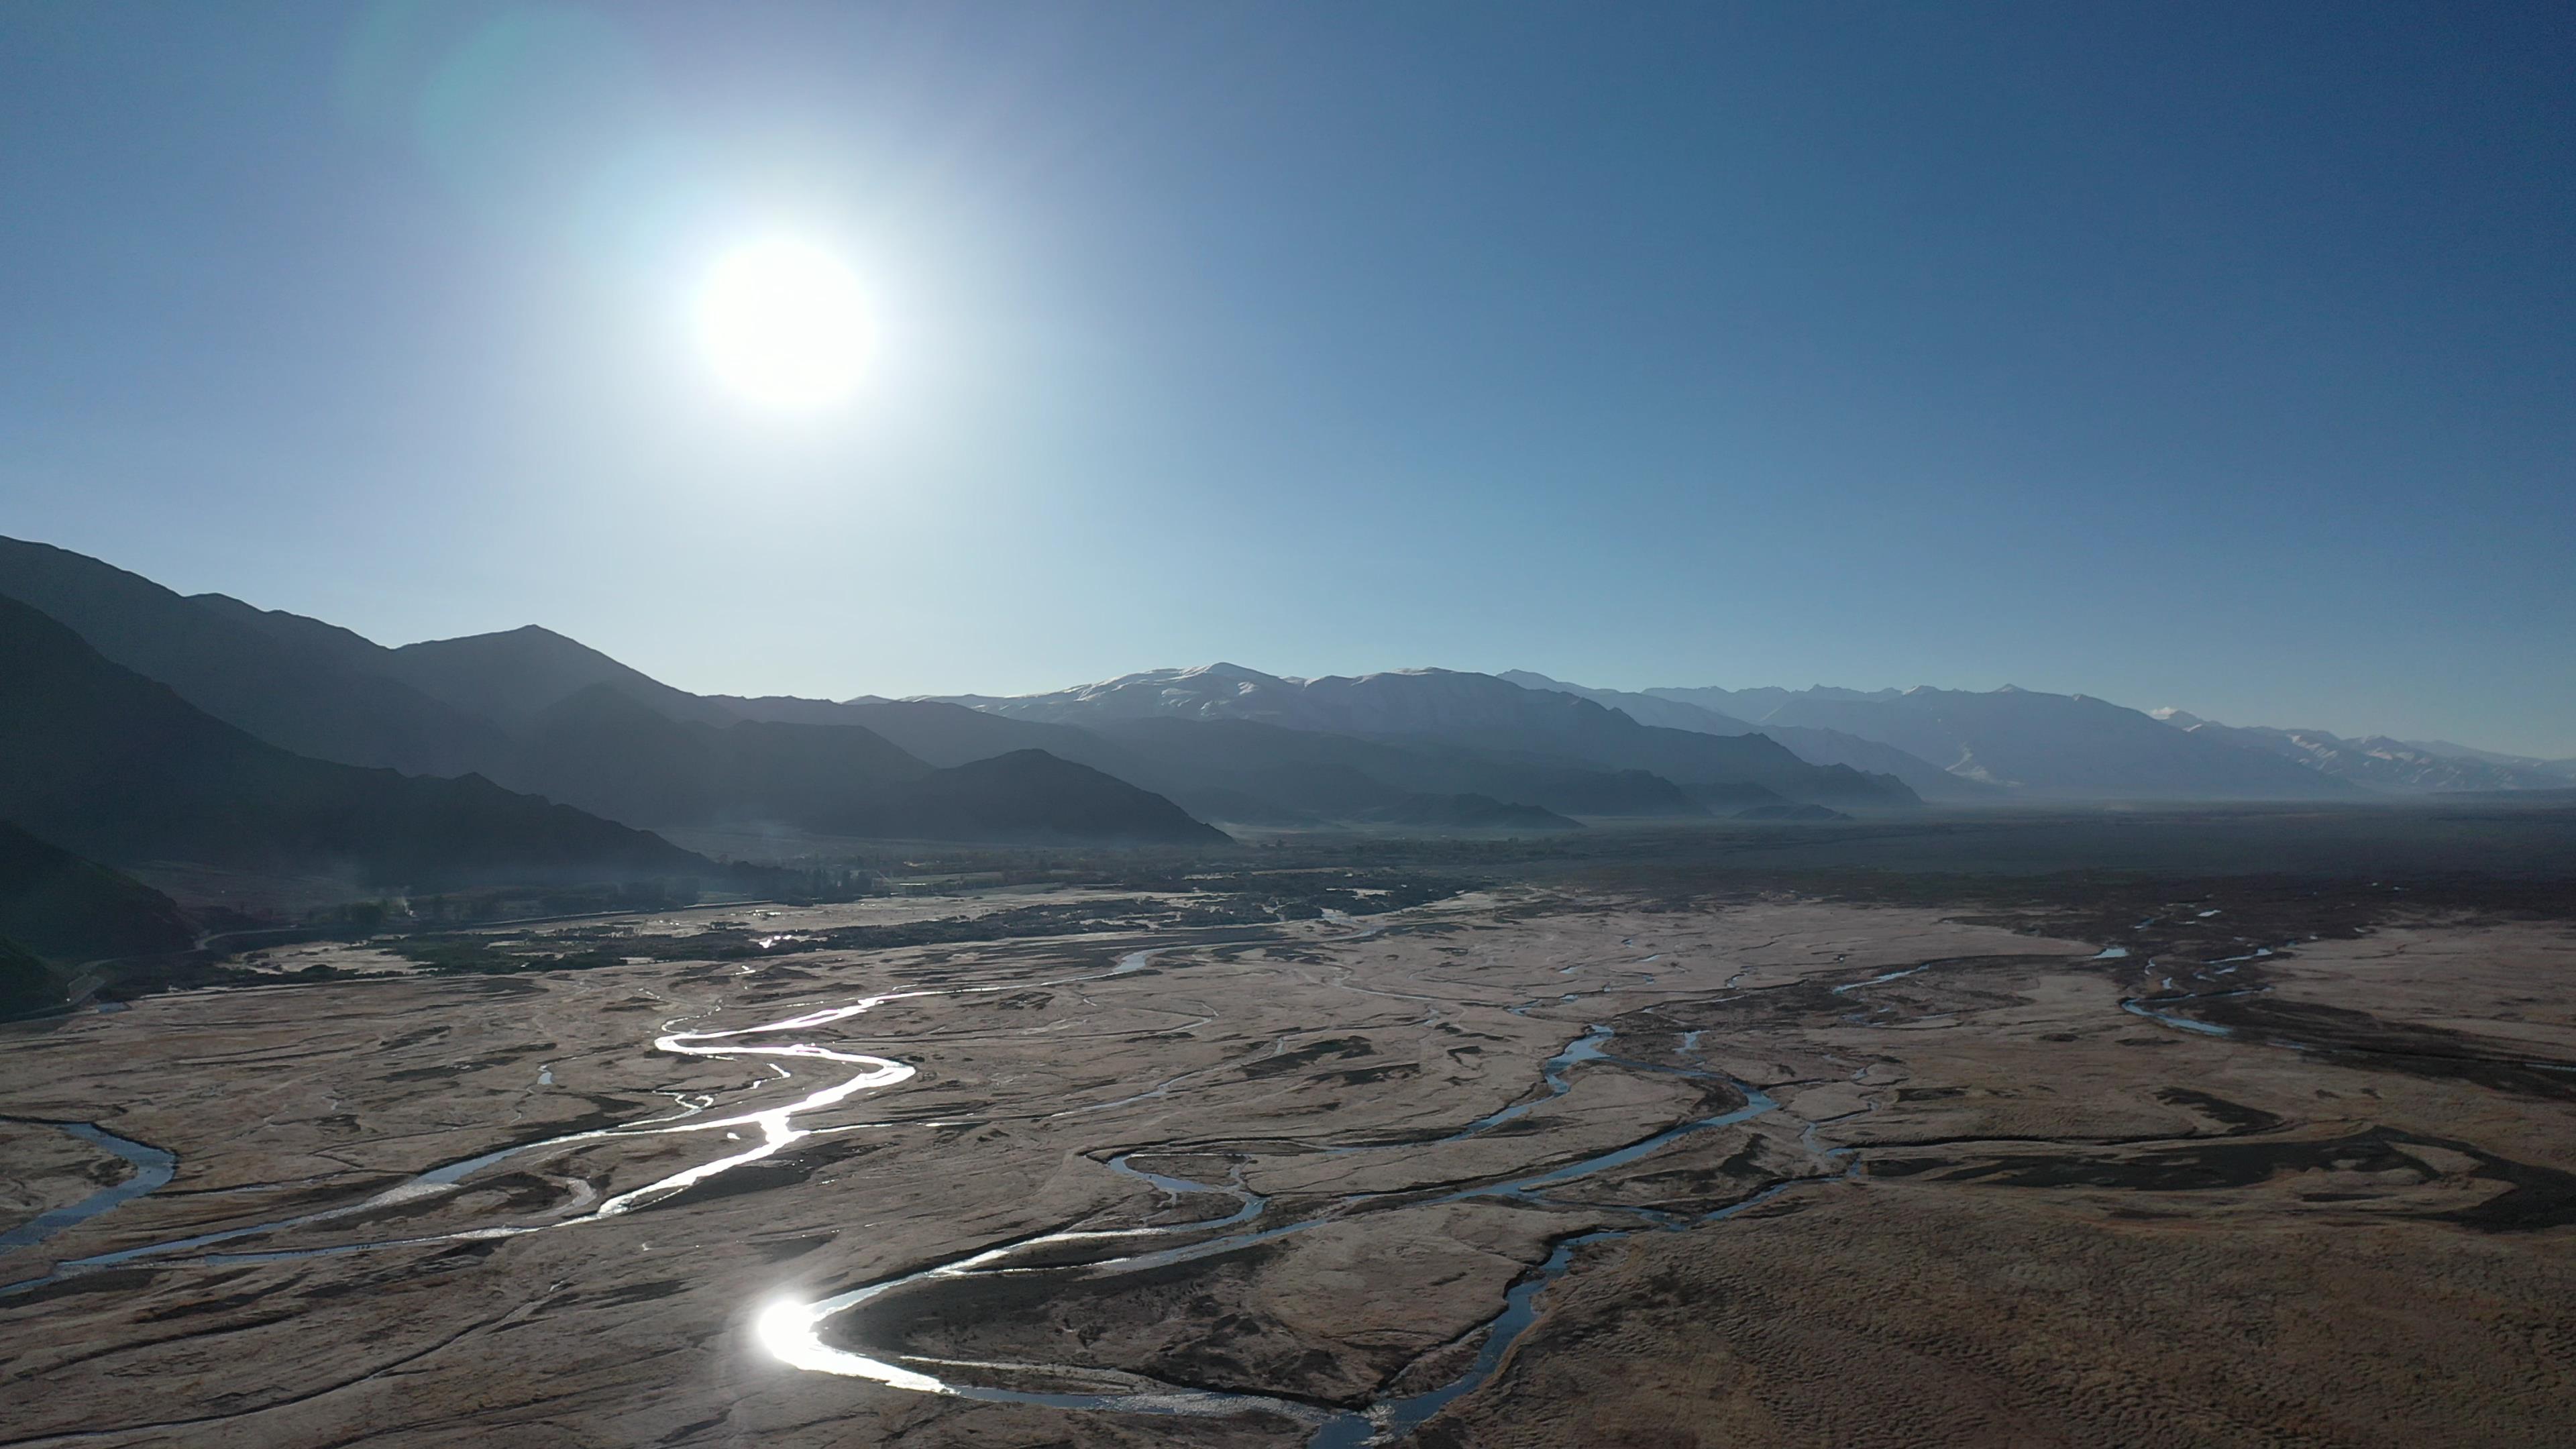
(754, 689)
(2142, 355)
(727, 902)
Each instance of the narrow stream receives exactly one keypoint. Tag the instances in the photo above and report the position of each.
(2162, 1007)
(152, 1168)
(793, 1332)
(777, 1127)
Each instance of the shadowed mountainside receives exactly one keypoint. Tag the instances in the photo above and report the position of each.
(297, 683)
(1262, 775)
(513, 676)
(2018, 741)
(1450, 708)
(942, 734)
(1428, 748)
(60, 906)
(2062, 746)
(1645, 709)
(122, 769)
(1241, 769)
(624, 759)
(2013, 741)
(25, 984)
(509, 706)
(1023, 795)
(2376, 761)
(2562, 770)
(547, 715)
(1815, 746)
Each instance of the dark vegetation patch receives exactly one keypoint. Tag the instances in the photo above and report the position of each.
(1332, 1048)
(2360, 1039)
(1245, 899)
(2235, 1116)
(630, 1294)
(2536, 1197)
(1229, 1346)
(106, 1280)
(1396, 1071)
(751, 1177)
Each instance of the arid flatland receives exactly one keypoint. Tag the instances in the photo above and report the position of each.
(1767, 1170)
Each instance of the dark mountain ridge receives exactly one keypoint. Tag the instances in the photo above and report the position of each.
(626, 760)
(71, 910)
(285, 679)
(2059, 746)
(121, 769)
(1815, 746)
(513, 676)
(1226, 764)
(541, 713)
(1494, 718)
(2376, 760)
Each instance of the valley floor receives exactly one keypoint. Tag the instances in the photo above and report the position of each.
(1533, 1166)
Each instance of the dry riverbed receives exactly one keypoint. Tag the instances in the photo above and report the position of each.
(1528, 1167)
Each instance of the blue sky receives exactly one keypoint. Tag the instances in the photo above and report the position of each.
(2218, 356)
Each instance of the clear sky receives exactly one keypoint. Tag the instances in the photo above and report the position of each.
(2220, 356)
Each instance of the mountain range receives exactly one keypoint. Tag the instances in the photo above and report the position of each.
(534, 713)
(2017, 743)
(2384, 763)
(1816, 746)
(1452, 732)
(120, 768)
(528, 713)
(149, 726)
(2559, 769)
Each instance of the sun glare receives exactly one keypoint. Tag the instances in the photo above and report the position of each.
(785, 325)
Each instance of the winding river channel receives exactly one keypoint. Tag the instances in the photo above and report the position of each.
(827, 1336)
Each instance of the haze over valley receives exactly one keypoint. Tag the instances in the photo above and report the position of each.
(1170, 756)
(1299, 727)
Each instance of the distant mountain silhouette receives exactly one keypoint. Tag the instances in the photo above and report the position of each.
(514, 676)
(2023, 742)
(1024, 795)
(619, 757)
(1225, 765)
(943, 734)
(1815, 746)
(606, 753)
(1790, 812)
(1468, 812)
(1758, 705)
(121, 769)
(541, 713)
(1645, 709)
(1478, 712)
(523, 708)
(1261, 775)
(71, 910)
(2056, 745)
(2376, 761)
(2563, 769)
(1431, 748)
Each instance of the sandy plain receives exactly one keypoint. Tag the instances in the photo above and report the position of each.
(1530, 1167)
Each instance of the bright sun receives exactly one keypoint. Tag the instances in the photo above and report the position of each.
(785, 325)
